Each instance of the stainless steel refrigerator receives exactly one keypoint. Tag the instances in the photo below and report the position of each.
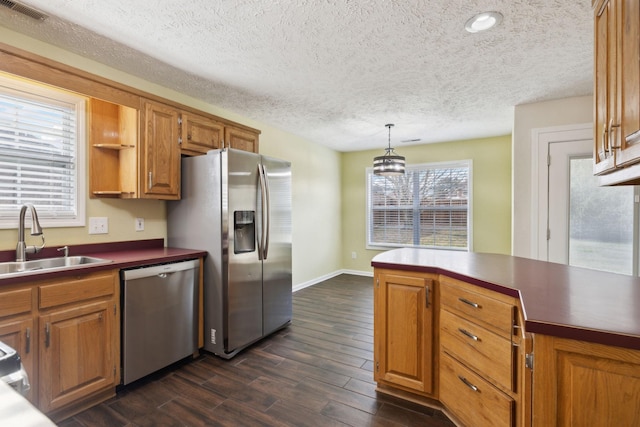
(236, 205)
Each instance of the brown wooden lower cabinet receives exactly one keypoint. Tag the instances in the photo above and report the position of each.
(18, 334)
(487, 370)
(472, 399)
(403, 329)
(584, 384)
(67, 333)
(76, 359)
(442, 341)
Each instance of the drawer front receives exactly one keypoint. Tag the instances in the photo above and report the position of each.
(15, 302)
(478, 348)
(471, 399)
(77, 289)
(493, 314)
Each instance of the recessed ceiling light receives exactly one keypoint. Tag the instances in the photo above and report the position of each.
(483, 21)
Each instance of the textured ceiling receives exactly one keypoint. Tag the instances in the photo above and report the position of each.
(336, 71)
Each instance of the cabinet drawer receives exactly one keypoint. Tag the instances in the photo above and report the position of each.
(478, 348)
(15, 302)
(77, 289)
(466, 300)
(471, 399)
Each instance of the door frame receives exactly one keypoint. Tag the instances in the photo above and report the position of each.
(540, 140)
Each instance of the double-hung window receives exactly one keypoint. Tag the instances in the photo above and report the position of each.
(428, 206)
(42, 136)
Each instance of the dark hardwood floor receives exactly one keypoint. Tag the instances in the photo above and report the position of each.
(316, 372)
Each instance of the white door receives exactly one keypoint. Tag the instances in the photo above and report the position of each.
(588, 226)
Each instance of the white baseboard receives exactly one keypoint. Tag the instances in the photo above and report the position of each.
(329, 276)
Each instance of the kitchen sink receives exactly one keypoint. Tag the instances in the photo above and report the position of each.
(14, 268)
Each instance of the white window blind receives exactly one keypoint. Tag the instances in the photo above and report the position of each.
(40, 153)
(427, 207)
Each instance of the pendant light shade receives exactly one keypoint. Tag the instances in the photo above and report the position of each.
(390, 163)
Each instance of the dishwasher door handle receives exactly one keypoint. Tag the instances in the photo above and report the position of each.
(157, 270)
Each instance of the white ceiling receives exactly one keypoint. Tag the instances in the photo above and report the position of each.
(336, 71)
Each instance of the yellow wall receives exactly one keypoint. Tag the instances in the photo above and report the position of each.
(491, 193)
(315, 170)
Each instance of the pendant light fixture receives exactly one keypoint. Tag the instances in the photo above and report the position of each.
(390, 163)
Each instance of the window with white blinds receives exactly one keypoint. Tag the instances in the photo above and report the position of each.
(41, 153)
(429, 206)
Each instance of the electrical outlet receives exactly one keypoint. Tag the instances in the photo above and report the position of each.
(354, 255)
(139, 224)
(98, 225)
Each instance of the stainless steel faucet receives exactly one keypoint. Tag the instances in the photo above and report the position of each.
(21, 249)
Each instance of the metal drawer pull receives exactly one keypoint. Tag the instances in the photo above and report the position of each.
(47, 334)
(469, 334)
(467, 383)
(27, 348)
(466, 301)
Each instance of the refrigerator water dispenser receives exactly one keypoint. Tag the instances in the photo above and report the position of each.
(244, 231)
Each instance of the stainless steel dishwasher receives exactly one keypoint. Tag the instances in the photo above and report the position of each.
(159, 317)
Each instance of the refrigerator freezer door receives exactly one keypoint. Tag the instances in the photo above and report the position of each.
(196, 222)
(244, 274)
(277, 265)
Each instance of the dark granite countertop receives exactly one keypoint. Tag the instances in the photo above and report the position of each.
(122, 254)
(557, 299)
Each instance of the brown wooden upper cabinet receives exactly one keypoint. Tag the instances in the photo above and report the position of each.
(241, 139)
(200, 134)
(113, 150)
(135, 152)
(136, 139)
(160, 151)
(617, 91)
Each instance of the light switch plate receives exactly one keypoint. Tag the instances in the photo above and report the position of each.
(139, 224)
(98, 225)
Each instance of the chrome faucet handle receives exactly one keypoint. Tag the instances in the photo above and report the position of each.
(65, 249)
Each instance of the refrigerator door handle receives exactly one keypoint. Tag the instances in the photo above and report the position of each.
(267, 229)
(262, 252)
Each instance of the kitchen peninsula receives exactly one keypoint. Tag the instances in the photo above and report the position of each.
(517, 341)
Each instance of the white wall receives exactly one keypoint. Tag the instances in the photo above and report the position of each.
(568, 111)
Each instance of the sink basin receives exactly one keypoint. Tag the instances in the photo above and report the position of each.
(12, 268)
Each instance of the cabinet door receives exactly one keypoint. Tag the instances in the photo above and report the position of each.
(18, 334)
(628, 80)
(76, 353)
(160, 152)
(241, 139)
(583, 384)
(403, 333)
(605, 45)
(200, 134)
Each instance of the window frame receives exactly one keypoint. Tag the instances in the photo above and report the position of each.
(31, 89)
(468, 163)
